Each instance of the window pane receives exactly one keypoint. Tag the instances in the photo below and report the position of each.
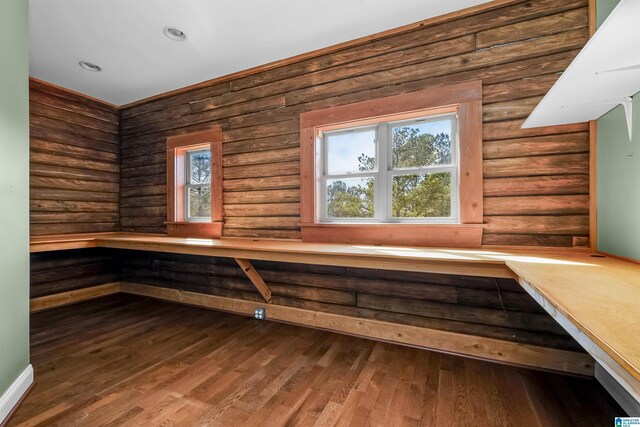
(422, 196)
(199, 202)
(349, 152)
(350, 198)
(422, 144)
(200, 162)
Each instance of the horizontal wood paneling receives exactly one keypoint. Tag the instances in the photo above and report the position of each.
(473, 305)
(62, 271)
(75, 169)
(517, 50)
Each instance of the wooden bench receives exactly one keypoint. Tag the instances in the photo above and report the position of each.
(596, 299)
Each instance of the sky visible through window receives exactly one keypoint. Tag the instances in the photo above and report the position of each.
(345, 148)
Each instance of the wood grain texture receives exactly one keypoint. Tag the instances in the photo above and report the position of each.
(143, 362)
(471, 305)
(69, 270)
(518, 51)
(74, 161)
(73, 297)
(431, 260)
(255, 278)
(426, 338)
(598, 297)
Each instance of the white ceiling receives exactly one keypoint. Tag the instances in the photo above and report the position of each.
(125, 37)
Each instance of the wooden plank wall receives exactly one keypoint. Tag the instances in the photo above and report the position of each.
(75, 169)
(497, 308)
(536, 181)
(62, 271)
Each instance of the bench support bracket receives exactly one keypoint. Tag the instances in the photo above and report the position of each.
(255, 278)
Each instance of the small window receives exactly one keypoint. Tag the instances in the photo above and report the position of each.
(198, 185)
(194, 193)
(391, 171)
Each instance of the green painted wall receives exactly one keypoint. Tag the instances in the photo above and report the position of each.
(14, 191)
(603, 9)
(618, 166)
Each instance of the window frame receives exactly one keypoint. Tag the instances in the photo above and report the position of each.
(178, 148)
(466, 99)
(188, 186)
(384, 172)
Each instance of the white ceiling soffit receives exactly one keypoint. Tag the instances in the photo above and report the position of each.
(125, 38)
(605, 71)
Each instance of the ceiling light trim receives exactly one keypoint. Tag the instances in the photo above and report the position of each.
(89, 66)
(174, 34)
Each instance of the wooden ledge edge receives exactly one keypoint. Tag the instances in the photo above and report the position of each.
(59, 242)
(71, 297)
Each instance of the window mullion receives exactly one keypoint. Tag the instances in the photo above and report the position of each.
(382, 186)
(424, 170)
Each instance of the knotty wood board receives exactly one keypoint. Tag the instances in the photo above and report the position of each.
(74, 163)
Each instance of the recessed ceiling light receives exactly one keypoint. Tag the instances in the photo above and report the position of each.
(174, 34)
(89, 66)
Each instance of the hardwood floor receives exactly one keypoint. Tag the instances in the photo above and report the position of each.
(126, 360)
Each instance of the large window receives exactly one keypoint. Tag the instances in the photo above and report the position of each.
(194, 184)
(405, 169)
(391, 171)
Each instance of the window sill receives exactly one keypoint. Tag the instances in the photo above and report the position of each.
(208, 230)
(435, 235)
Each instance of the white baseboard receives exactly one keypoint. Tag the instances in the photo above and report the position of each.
(12, 396)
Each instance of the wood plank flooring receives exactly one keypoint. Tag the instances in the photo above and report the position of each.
(128, 361)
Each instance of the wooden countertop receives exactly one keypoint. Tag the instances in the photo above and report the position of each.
(600, 296)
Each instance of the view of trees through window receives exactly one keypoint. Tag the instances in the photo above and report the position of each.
(413, 195)
(199, 187)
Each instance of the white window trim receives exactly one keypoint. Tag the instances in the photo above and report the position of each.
(188, 186)
(383, 174)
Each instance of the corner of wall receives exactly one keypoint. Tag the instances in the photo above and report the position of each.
(618, 164)
(14, 193)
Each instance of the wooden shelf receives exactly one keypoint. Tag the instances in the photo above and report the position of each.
(61, 242)
(602, 76)
(403, 258)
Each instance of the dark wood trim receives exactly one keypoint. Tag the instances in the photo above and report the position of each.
(41, 84)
